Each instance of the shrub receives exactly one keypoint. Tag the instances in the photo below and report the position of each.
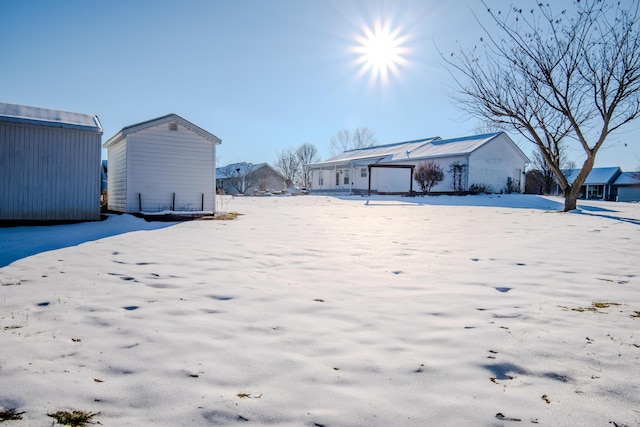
(428, 174)
(481, 188)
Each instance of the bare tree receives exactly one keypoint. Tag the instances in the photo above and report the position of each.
(487, 126)
(547, 177)
(344, 140)
(428, 174)
(306, 153)
(572, 76)
(288, 164)
(240, 176)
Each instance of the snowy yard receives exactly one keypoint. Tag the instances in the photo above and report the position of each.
(323, 311)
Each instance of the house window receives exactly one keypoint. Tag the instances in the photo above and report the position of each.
(363, 172)
(346, 178)
(337, 178)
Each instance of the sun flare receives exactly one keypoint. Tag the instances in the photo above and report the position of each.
(381, 51)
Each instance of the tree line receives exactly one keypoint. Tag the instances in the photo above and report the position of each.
(290, 162)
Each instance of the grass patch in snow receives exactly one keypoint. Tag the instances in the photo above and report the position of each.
(10, 415)
(595, 306)
(222, 216)
(74, 418)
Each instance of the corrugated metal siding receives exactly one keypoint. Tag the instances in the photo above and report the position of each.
(162, 162)
(49, 173)
(117, 196)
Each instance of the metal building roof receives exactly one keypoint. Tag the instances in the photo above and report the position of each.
(450, 147)
(628, 178)
(414, 150)
(45, 117)
(596, 176)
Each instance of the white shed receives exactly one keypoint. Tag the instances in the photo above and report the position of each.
(49, 165)
(163, 164)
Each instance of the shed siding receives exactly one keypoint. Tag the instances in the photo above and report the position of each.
(117, 177)
(161, 162)
(49, 173)
(494, 163)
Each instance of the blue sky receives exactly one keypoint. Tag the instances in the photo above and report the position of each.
(260, 75)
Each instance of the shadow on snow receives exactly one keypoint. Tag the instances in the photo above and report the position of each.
(23, 241)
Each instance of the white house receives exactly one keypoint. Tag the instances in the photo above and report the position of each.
(49, 164)
(491, 160)
(163, 164)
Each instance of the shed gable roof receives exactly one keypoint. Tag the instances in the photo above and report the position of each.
(159, 121)
(46, 117)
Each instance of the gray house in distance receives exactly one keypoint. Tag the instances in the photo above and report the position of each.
(49, 164)
(249, 178)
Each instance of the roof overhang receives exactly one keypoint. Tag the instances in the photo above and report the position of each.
(36, 116)
(169, 118)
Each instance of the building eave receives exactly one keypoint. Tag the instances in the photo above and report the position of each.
(158, 121)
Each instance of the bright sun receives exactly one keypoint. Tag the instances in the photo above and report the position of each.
(380, 52)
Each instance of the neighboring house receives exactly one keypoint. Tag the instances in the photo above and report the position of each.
(627, 186)
(164, 164)
(49, 164)
(247, 178)
(599, 183)
(492, 160)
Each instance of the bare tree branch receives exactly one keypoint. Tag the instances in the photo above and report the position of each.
(344, 140)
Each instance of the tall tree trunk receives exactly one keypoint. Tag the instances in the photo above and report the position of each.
(571, 198)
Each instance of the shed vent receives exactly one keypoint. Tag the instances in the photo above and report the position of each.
(173, 126)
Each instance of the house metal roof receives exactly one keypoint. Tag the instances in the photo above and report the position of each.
(597, 176)
(450, 147)
(389, 150)
(158, 121)
(413, 150)
(628, 178)
(45, 117)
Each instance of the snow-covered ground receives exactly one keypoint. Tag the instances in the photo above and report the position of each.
(314, 310)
